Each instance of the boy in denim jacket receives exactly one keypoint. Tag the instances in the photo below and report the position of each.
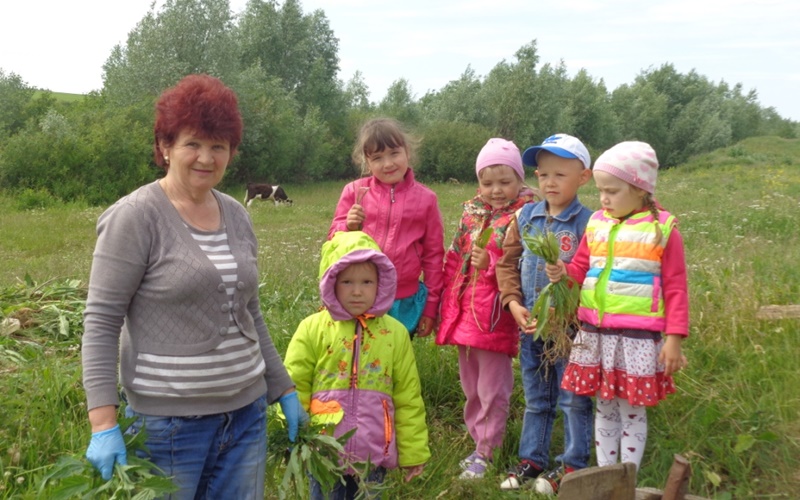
(563, 165)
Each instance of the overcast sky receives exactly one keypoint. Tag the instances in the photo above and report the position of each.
(61, 45)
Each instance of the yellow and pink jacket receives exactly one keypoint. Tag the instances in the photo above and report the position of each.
(360, 373)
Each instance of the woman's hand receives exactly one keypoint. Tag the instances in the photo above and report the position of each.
(107, 447)
(555, 271)
(293, 411)
(355, 218)
(479, 258)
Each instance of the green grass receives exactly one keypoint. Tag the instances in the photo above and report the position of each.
(64, 96)
(735, 416)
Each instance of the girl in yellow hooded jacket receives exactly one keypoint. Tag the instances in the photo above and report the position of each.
(354, 366)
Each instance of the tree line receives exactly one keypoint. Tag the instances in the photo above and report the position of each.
(301, 119)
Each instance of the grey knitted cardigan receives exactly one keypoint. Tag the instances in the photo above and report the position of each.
(153, 290)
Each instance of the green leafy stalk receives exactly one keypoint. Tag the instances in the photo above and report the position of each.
(315, 452)
(554, 309)
(483, 239)
(75, 477)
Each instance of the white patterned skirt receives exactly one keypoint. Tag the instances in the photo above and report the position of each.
(623, 363)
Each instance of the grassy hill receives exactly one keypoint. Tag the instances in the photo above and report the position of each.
(63, 96)
(735, 416)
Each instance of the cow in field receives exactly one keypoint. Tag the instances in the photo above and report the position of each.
(266, 192)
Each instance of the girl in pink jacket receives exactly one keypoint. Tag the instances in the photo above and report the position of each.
(472, 316)
(401, 215)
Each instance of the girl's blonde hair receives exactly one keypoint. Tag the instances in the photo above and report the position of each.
(379, 134)
(650, 203)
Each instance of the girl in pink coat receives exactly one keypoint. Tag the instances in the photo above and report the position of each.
(472, 316)
(401, 215)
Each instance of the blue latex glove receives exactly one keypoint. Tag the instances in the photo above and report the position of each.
(294, 413)
(106, 448)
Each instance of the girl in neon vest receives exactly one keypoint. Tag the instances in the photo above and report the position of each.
(634, 307)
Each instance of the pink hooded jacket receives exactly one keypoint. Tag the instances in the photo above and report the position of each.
(404, 219)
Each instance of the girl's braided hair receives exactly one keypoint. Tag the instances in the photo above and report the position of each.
(650, 203)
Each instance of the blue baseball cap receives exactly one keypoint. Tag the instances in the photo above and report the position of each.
(563, 145)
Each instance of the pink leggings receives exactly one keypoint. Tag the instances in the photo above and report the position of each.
(487, 380)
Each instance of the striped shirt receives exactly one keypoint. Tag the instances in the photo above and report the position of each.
(235, 364)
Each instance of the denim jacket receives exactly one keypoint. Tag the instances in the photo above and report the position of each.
(568, 227)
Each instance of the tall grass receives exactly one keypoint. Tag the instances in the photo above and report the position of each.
(736, 415)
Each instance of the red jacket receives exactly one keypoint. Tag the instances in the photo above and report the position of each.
(471, 313)
(405, 221)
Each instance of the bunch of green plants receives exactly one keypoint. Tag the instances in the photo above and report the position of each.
(554, 309)
(74, 477)
(314, 452)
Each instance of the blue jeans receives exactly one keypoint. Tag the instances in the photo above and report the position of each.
(349, 489)
(210, 456)
(542, 394)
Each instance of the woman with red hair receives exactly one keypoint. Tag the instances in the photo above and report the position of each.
(173, 291)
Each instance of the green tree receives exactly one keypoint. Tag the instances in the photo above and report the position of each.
(91, 152)
(20, 104)
(270, 150)
(299, 49)
(460, 101)
(356, 93)
(184, 37)
(449, 150)
(589, 110)
(399, 103)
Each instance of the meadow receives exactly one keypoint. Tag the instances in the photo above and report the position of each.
(736, 415)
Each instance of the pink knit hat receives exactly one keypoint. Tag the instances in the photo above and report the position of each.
(633, 162)
(500, 152)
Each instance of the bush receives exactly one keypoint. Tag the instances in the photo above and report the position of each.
(449, 150)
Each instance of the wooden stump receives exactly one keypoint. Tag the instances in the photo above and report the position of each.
(613, 482)
(678, 479)
(778, 312)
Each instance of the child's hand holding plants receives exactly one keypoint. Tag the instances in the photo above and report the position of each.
(479, 259)
(356, 215)
(355, 218)
(555, 271)
(523, 317)
(554, 309)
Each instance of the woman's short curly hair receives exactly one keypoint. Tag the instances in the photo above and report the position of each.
(199, 103)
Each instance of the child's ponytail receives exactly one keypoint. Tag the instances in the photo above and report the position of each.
(653, 206)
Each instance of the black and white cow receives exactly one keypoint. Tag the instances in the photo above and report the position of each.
(265, 192)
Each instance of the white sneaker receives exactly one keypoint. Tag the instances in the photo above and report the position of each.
(549, 482)
(523, 473)
(464, 463)
(475, 470)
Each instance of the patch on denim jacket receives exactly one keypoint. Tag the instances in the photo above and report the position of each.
(567, 244)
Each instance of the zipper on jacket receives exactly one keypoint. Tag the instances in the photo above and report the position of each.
(388, 219)
(605, 274)
(387, 427)
(354, 366)
(354, 380)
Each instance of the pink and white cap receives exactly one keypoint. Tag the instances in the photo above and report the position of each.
(632, 161)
